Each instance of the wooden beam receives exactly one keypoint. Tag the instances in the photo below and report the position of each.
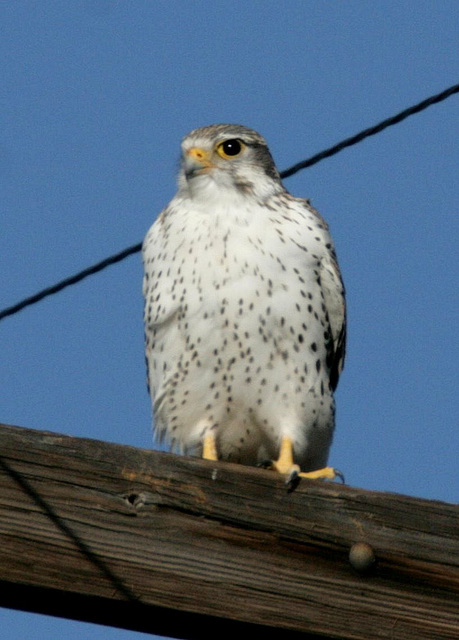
(189, 548)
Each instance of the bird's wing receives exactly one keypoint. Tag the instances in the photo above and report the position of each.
(161, 307)
(333, 292)
(334, 299)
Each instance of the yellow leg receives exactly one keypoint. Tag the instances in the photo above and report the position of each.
(209, 447)
(285, 464)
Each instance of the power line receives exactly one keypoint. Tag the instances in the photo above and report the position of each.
(326, 153)
(67, 282)
(371, 131)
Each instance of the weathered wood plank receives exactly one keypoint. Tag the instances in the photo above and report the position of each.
(180, 546)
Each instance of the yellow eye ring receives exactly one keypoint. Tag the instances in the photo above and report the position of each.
(230, 149)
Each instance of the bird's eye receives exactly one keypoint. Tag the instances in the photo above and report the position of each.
(230, 148)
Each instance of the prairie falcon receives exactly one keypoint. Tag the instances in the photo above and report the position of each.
(244, 311)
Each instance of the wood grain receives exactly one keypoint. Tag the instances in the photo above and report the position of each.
(189, 548)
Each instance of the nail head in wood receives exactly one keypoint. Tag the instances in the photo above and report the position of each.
(362, 557)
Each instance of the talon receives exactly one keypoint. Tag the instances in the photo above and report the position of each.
(293, 480)
(266, 464)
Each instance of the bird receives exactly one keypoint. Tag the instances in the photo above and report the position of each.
(245, 316)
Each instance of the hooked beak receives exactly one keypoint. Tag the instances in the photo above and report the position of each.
(197, 161)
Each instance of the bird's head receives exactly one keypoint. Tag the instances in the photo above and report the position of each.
(228, 157)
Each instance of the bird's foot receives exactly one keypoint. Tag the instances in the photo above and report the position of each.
(326, 473)
(293, 473)
(285, 465)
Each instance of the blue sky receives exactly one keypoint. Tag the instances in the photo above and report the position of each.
(96, 96)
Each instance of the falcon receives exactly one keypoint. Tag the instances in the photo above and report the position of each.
(244, 312)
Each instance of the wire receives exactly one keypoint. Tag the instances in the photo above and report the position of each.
(67, 282)
(326, 153)
(371, 131)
